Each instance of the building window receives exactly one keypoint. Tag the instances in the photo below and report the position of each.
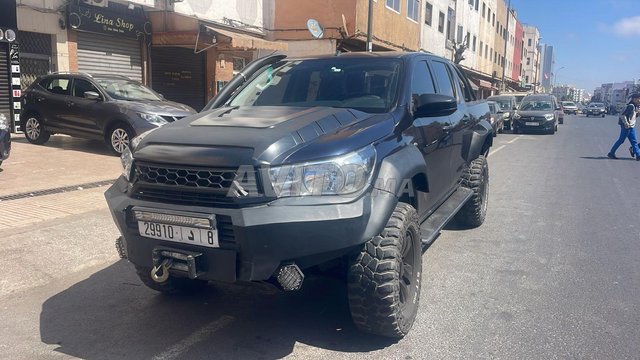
(413, 9)
(498, 28)
(491, 55)
(526, 78)
(451, 34)
(486, 51)
(493, 20)
(238, 64)
(428, 15)
(480, 49)
(394, 5)
(441, 22)
(460, 32)
(471, 3)
(477, 7)
(489, 16)
(484, 9)
(473, 47)
(529, 42)
(528, 61)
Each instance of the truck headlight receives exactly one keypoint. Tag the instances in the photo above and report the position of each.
(4, 122)
(127, 163)
(343, 175)
(153, 119)
(549, 116)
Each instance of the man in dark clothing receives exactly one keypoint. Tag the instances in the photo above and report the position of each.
(627, 122)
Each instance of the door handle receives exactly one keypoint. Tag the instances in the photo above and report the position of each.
(70, 103)
(39, 99)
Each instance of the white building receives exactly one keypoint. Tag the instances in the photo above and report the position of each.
(438, 27)
(531, 56)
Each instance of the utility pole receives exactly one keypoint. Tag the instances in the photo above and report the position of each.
(506, 41)
(370, 27)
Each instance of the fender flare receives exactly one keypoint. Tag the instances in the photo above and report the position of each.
(403, 168)
(479, 141)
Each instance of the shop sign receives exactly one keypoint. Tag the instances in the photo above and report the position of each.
(109, 22)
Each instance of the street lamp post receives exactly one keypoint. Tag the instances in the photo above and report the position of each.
(555, 79)
(370, 27)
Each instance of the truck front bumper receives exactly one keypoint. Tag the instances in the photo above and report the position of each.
(255, 241)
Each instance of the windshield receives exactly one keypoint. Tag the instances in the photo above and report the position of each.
(596, 105)
(127, 89)
(369, 86)
(504, 104)
(536, 105)
(568, 103)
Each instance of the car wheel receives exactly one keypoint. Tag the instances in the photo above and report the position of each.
(173, 285)
(384, 277)
(603, 115)
(119, 137)
(476, 179)
(34, 130)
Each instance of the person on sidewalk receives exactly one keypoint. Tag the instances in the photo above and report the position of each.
(627, 122)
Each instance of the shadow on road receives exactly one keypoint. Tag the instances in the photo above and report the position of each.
(70, 143)
(112, 315)
(605, 158)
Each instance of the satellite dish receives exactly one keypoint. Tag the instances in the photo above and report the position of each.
(315, 28)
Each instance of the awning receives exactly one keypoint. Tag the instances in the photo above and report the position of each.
(244, 41)
(486, 84)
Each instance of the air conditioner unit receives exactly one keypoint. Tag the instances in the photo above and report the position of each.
(100, 3)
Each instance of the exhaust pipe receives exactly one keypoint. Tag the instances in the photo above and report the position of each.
(290, 277)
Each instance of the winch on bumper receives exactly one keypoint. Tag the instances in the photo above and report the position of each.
(253, 242)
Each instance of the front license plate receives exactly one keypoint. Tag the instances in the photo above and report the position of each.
(181, 234)
(531, 123)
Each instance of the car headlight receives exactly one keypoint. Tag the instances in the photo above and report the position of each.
(506, 115)
(153, 119)
(4, 122)
(342, 175)
(127, 163)
(549, 116)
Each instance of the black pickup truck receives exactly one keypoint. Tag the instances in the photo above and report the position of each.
(357, 160)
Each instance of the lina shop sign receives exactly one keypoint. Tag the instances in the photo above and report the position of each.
(118, 23)
(106, 21)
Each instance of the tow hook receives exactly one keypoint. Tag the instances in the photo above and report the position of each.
(160, 273)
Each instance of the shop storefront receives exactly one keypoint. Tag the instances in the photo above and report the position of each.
(35, 56)
(10, 91)
(191, 60)
(109, 40)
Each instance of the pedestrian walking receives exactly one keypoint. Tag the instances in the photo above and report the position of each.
(627, 122)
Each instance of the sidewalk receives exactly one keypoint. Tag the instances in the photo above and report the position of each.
(63, 161)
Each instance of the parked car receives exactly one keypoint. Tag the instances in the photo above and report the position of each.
(518, 95)
(596, 109)
(569, 107)
(110, 108)
(497, 118)
(301, 167)
(5, 138)
(539, 112)
(507, 105)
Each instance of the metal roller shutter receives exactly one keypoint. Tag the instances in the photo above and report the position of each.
(102, 54)
(179, 75)
(5, 82)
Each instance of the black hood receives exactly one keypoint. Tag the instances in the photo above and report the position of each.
(232, 136)
(161, 107)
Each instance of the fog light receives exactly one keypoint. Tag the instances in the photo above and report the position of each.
(290, 277)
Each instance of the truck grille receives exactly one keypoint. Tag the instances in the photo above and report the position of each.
(196, 186)
(219, 179)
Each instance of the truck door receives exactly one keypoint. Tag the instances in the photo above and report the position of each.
(464, 129)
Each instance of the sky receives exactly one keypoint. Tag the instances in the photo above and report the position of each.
(596, 41)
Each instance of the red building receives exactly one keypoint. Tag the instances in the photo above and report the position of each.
(517, 52)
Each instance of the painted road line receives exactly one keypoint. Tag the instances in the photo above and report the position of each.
(513, 140)
(497, 149)
(201, 334)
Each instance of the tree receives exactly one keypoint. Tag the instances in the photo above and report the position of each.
(459, 49)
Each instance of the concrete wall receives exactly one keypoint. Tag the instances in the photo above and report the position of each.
(433, 40)
(247, 11)
(46, 22)
(389, 25)
(290, 18)
(469, 18)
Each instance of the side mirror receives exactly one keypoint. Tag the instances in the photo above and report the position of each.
(91, 95)
(431, 105)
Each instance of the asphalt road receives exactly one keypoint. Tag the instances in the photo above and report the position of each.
(553, 273)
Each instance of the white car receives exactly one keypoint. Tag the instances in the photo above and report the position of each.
(569, 107)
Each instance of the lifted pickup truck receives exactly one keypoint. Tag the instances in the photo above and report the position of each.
(359, 159)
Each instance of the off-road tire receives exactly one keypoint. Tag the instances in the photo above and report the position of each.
(383, 286)
(34, 130)
(173, 285)
(476, 179)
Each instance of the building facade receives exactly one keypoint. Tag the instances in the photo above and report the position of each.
(531, 57)
(517, 72)
(437, 31)
(10, 81)
(547, 66)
